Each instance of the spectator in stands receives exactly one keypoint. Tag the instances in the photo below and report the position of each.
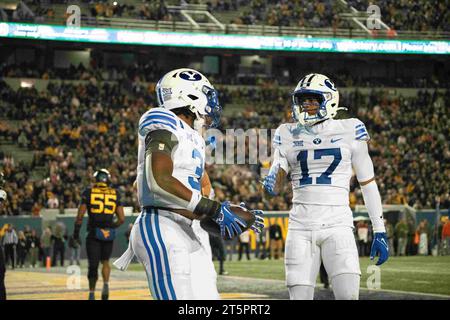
(446, 237)
(401, 232)
(74, 250)
(261, 243)
(33, 244)
(362, 231)
(276, 241)
(21, 249)
(244, 244)
(413, 238)
(230, 248)
(59, 243)
(10, 241)
(390, 232)
(46, 245)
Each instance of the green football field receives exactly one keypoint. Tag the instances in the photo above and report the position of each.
(404, 278)
(410, 274)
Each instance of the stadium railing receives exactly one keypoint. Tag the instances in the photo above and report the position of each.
(261, 30)
(258, 30)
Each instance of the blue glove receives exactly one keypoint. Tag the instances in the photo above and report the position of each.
(258, 225)
(230, 224)
(270, 181)
(212, 142)
(380, 247)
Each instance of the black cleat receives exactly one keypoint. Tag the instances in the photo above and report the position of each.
(105, 292)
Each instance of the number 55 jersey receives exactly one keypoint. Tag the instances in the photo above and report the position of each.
(319, 160)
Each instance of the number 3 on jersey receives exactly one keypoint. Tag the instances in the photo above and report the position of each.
(194, 181)
(324, 178)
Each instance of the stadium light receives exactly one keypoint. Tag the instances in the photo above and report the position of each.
(220, 41)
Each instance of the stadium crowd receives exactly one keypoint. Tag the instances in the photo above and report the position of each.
(314, 14)
(421, 15)
(137, 75)
(79, 127)
(72, 134)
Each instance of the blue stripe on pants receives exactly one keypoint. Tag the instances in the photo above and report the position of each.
(141, 228)
(160, 278)
(166, 259)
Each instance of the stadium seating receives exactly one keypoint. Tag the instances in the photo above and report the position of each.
(401, 19)
(419, 15)
(83, 124)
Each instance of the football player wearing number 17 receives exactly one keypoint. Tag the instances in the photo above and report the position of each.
(319, 153)
(171, 157)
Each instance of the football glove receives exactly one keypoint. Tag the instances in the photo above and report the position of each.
(230, 224)
(380, 247)
(258, 225)
(270, 180)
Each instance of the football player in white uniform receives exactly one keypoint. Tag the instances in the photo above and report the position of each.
(170, 178)
(319, 154)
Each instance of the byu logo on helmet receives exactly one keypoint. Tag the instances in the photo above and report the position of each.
(190, 76)
(330, 84)
(188, 88)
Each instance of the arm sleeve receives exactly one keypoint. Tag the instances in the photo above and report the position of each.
(362, 163)
(119, 199)
(164, 141)
(85, 197)
(161, 141)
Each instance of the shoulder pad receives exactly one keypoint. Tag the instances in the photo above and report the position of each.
(158, 119)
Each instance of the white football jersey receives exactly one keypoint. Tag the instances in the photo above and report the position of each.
(188, 156)
(319, 159)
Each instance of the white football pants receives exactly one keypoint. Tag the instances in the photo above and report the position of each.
(336, 247)
(177, 263)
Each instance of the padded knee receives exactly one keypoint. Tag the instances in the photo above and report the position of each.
(346, 286)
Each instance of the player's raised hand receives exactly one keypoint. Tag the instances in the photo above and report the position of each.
(380, 247)
(231, 225)
(258, 225)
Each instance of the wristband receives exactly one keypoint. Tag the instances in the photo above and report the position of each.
(195, 199)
